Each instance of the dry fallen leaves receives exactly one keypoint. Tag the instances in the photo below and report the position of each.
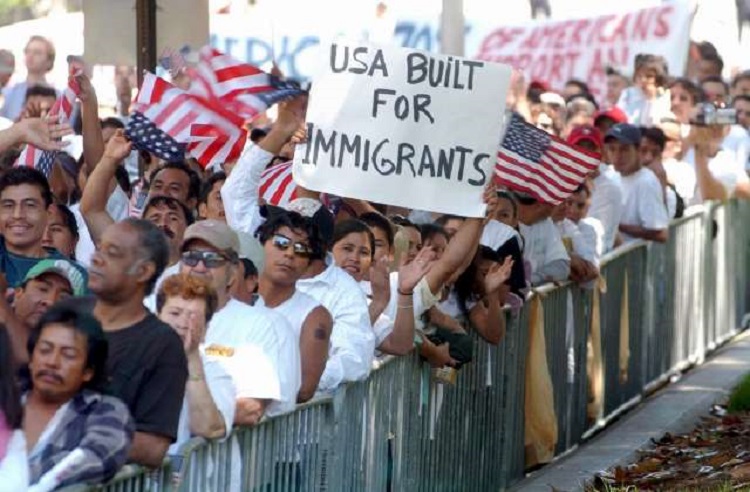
(716, 454)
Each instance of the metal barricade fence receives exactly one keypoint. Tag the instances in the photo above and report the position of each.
(400, 430)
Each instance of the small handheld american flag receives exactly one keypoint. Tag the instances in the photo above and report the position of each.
(242, 88)
(61, 111)
(277, 186)
(168, 121)
(533, 162)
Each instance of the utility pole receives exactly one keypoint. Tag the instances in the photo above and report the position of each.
(145, 15)
(452, 28)
(145, 27)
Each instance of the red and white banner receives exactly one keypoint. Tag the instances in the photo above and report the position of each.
(556, 51)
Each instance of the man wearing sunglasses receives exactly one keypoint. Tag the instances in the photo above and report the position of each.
(288, 243)
(209, 251)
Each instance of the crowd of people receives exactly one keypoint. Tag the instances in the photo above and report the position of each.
(142, 312)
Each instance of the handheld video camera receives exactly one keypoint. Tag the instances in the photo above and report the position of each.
(710, 115)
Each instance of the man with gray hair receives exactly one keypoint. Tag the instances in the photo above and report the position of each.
(146, 359)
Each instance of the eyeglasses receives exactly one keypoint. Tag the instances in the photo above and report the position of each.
(209, 259)
(283, 243)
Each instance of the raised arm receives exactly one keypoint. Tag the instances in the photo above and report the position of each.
(461, 246)
(240, 191)
(93, 141)
(96, 193)
(487, 316)
(400, 341)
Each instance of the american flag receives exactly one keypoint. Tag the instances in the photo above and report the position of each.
(166, 117)
(533, 162)
(277, 186)
(60, 111)
(242, 88)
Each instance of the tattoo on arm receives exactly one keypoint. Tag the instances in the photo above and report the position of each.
(321, 333)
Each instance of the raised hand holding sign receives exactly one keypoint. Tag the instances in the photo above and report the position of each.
(403, 127)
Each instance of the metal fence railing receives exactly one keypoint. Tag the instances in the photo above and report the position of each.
(665, 306)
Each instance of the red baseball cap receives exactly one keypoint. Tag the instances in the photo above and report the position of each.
(539, 85)
(614, 113)
(586, 132)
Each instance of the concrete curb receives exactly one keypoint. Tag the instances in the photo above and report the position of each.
(674, 409)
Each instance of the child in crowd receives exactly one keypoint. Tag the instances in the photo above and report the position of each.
(648, 101)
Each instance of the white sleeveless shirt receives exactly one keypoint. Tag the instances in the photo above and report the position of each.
(296, 309)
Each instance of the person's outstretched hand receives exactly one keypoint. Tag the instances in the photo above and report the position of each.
(42, 133)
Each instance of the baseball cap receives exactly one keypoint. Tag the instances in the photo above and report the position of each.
(624, 133)
(215, 233)
(585, 132)
(552, 98)
(63, 268)
(614, 113)
(539, 85)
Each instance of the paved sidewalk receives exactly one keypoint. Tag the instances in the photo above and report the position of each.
(673, 409)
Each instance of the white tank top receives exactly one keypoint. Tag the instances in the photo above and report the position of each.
(296, 309)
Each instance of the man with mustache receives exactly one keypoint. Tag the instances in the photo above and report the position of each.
(172, 217)
(74, 432)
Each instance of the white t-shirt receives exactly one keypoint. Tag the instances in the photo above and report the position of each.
(542, 244)
(738, 142)
(606, 203)
(642, 111)
(233, 334)
(223, 393)
(583, 243)
(643, 202)
(592, 231)
(296, 309)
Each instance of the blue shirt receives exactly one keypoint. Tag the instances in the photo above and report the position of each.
(15, 267)
(15, 100)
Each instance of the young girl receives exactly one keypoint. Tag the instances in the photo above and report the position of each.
(479, 292)
(647, 102)
(353, 250)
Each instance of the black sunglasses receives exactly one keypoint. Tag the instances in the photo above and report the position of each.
(283, 243)
(209, 258)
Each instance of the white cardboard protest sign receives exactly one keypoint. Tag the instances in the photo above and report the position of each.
(403, 127)
(556, 51)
